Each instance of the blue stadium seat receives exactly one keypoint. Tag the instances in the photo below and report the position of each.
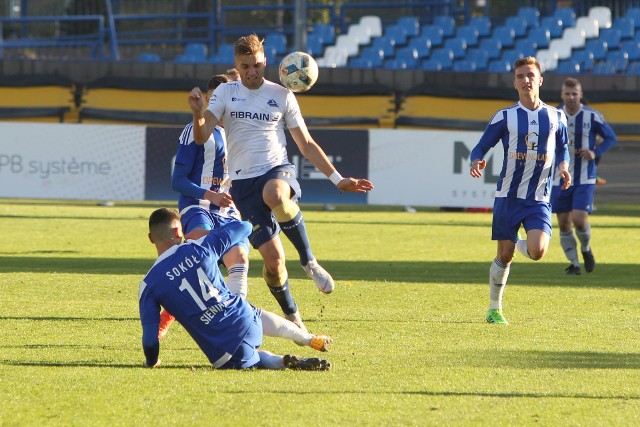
(541, 37)
(193, 53)
(618, 60)
(360, 62)
(469, 34)
(505, 35)
(433, 33)
(499, 66)
(518, 24)
(492, 47)
(422, 45)
(431, 65)
(385, 44)
(626, 26)
(603, 68)
(480, 57)
(148, 57)
(277, 41)
(553, 24)
(531, 15)
(397, 34)
(482, 24)
(444, 56)
(447, 23)
(526, 47)
(464, 66)
(374, 55)
(584, 58)
(511, 55)
(224, 55)
(315, 46)
(566, 15)
(327, 32)
(611, 36)
(632, 47)
(634, 13)
(409, 56)
(568, 66)
(633, 69)
(410, 25)
(457, 46)
(598, 47)
(394, 64)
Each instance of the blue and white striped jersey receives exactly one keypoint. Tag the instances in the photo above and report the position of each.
(531, 140)
(583, 127)
(198, 168)
(187, 282)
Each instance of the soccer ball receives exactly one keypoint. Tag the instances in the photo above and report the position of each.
(298, 71)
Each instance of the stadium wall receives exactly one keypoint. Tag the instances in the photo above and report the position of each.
(133, 162)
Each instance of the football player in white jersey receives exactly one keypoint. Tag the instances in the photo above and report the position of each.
(264, 186)
(534, 139)
(574, 204)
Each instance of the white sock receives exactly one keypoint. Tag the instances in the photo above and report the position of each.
(498, 274)
(521, 246)
(585, 238)
(270, 360)
(276, 326)
(568, 243)
(237, 280)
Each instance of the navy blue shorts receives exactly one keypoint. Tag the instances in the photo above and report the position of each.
(247, 196)
(576, 197)
(197, 217)
(509, 213)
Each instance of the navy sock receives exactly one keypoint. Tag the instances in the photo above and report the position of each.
(296, 232)
(283, 296)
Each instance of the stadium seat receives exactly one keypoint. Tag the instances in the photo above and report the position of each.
(457, 46)
(531, 15)
(315, 47)
(408, 55)
(618, 60)
(506, 36)
(566, 15)
(518, 24)
(373, 23)
(634, 14)
(469, 34)
(499, 66)
(541, 37)
(359, 34)
(349, 44)
(553, 25)
(584, 58)
(602, 15)
(589, 26)
(410, 25)
(327, 32)
(374, 55)
(193, 53)
(568, 66)
(431, 65)
(447, 23)
(482, 24)
(511, 55)
(526, 47)
(444, 56)
(480, 57)
(632, 47)
(597, 47)
(548, 59)
(422, 45)
(464, 66)
(561, 47)
(626, 26)
(148, 57)
(334, 57)
(396, 34)
(224, 55)
(574, 37)
(433, 33)
(385, 44)
(492, 47)
(361, 62)
(633, 69)
(277, 41)
(611, 36)
(603, 68)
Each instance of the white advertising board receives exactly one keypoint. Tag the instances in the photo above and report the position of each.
(429, 168)
(72, 161)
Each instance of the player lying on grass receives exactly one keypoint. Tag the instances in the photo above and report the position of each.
(186, 280)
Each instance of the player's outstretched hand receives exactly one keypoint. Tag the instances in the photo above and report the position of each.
(196, 100)
(354, 185)
(476, 168)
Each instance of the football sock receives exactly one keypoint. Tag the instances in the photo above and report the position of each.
(568, 243)
(237, 280)
(498, 274)
(521, 247)
(276, 326)
(269, 360)
(585, 238)
(290, 219)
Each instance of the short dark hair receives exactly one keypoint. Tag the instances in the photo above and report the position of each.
(571, 82)
(162, 218)
(217, 80)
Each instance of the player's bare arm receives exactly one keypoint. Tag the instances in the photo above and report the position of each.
(476, 168)
(203, 120)
(312, 152)
(564, 174)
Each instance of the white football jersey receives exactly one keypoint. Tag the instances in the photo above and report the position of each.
(254, 121)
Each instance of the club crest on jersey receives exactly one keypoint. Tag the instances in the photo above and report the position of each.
(532, 141)
(272, 103)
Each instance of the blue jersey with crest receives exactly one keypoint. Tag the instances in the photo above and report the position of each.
(187, 282)
(531, 140)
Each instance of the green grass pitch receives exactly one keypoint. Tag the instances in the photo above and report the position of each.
(407, 317)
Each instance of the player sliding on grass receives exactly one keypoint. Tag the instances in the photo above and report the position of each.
(187, 281)
(534, 138)
(264, 186)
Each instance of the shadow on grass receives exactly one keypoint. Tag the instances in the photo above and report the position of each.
(523, 272)
(512, 395)
(71, 319)
(539, 359)
(89, 364)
